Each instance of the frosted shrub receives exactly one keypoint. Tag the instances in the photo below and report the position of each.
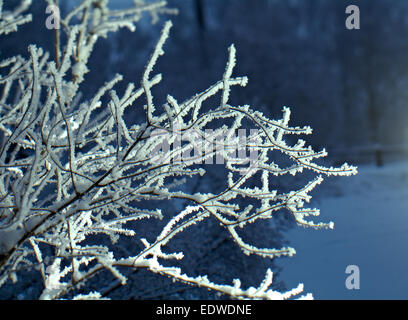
(84, 167)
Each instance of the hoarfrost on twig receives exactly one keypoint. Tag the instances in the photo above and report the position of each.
(98, 167)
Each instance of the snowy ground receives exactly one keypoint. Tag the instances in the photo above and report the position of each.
(370, 213)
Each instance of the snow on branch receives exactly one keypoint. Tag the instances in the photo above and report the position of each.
(84, 167)
(10, 20)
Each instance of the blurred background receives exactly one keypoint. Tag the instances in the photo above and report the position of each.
(350, 86)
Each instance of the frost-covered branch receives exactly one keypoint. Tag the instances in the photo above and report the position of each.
(10, 20)
(85, 167)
